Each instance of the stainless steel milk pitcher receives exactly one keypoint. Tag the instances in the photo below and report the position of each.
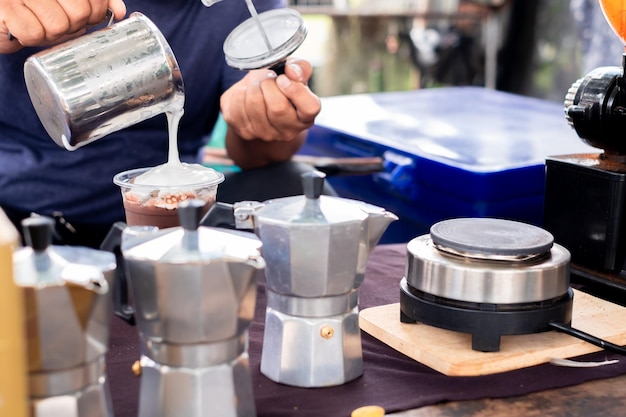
(104, 81)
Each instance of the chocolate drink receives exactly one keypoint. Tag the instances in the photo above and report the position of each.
(151, 195)
(151, 214)
(149, 204)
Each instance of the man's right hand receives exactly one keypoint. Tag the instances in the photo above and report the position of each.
(47, 22)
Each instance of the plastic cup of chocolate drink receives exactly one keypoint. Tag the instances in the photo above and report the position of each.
(151, 195)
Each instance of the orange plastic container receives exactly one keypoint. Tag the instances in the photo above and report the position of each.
(615, 13)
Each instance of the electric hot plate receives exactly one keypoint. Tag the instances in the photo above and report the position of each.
(487, 277)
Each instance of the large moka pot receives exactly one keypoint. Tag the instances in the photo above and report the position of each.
(194, 292)
(316, 249)
(67, 310)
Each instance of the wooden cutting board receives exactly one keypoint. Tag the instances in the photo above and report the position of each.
(450, 352)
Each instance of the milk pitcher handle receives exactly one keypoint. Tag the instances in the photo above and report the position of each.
(109, 17)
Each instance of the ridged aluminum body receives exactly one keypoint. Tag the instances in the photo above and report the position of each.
(195, 294)
(316, 251)
(68, 309)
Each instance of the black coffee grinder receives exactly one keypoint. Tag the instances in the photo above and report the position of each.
(585, 200)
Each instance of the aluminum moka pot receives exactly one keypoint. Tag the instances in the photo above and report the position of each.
(194, 291)
(316, 249)
(67, 293)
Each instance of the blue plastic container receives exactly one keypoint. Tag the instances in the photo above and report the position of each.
(448, 152)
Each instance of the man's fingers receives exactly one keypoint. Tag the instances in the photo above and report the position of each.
(24, 25)
(52, 18)
(306, 103)
(45, 22)
(298, 70)
(264, 106)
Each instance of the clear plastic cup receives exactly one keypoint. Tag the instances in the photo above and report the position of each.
(156, 205)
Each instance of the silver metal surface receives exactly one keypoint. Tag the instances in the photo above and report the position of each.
(440, 274)
(66, 381)
(316, 250)
(312, 352)
(191, 297)
(194, 302)
(69, 309)
(197, 355)
(104, 81)
(218, 391)
(93, 401)
(312, 307)
(490, 257)
(311, 260)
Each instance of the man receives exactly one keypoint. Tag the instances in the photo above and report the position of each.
(267, 114)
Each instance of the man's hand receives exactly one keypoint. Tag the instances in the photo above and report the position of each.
(267, 114)
(46, 22)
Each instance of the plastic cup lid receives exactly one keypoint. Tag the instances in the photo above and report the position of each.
(246, 47)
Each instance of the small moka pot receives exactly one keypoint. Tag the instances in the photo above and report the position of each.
(316, 249)
(67, 309)
(194, 291)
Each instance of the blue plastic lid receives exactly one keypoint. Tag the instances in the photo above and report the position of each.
(472, 128)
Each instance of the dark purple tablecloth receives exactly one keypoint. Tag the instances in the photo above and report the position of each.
(390, 379)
